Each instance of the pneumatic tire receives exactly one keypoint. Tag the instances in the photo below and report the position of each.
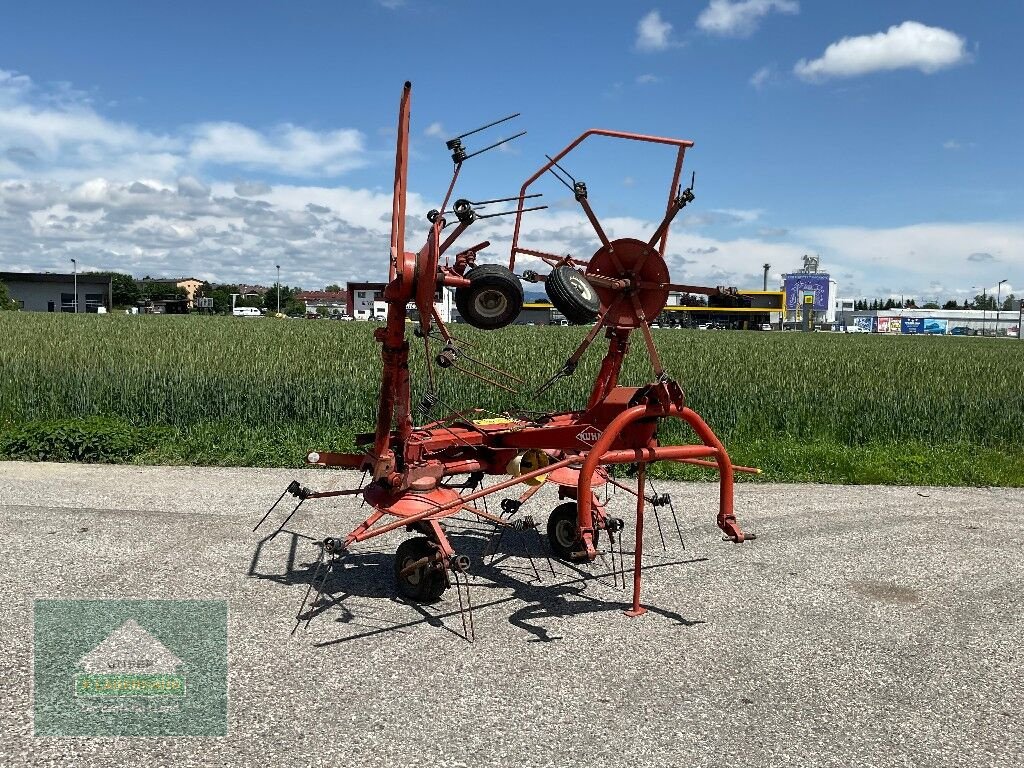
(572, 295)
(493, 299)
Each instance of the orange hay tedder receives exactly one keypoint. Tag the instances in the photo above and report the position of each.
(621, 289)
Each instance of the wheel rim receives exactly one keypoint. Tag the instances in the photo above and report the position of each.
(413, 577)
(565, 533)
(581, 286)
(490, 303)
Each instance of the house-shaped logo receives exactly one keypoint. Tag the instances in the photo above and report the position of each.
(130, 662)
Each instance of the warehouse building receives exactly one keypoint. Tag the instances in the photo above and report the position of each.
(55, 291)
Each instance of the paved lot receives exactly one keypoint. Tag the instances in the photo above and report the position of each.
(865, 627)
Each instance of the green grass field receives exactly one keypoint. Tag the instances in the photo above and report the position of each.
(804, 407)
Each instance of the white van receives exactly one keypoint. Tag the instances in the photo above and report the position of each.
(246, 312)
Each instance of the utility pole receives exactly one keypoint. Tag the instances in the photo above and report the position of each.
(999, 296)
(279, 289)
(75, 263)
(766, 267)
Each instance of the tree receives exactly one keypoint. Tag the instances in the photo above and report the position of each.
(6, 303)
(984, 301)
(125, 291)
(333, 288)
(930, 305)
(1010, 302)
(951, 304)
(289, 304)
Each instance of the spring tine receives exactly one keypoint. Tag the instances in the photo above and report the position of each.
(285, 522)
(672, 508)
(469, 604)
(615, 569)
(316, 571)
(529, 554)
(657, 519)
(483, 127)
(320, 590)
(622, 561)
(462, 610)
(540, 544)
(273, 506)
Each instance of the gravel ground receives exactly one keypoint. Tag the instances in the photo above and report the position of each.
(865, 626)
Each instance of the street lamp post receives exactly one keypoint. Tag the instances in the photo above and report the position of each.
(279, 289)
(75, 263)
(999, 296)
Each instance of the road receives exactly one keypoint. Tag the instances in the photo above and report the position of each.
(865, 626)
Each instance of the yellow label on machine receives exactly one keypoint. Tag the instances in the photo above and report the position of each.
(492, 422)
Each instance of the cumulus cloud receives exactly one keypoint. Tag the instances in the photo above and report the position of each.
(984, 258)
(910, 45)
(286, 149)
(58, 132)
(653, 33)
(435, 129)
(740, 18)
(761, 77)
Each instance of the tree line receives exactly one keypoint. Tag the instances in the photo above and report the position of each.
(981, 301)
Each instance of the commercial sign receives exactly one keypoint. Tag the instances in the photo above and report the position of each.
(935, 326)
(911, 325)
(865, 323)
(800, 285)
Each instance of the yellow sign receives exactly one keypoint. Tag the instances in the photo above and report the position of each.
(491, 422)
(808, 299)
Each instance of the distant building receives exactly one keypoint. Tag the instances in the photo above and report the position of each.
(247, 289)
(360, 298)
(55, 292)
(189, 284)
(366, 302)
(809, 290)
(334, 302)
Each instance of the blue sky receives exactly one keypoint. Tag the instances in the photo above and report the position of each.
(219, 139)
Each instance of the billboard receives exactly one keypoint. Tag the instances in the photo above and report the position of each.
(883, 324)
(932, 325)
(864, 323)
(798, 285)
(911, 325)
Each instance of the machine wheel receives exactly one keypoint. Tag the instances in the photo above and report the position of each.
(572, 295)
(493, 299)
(424, 585)
(562, 534)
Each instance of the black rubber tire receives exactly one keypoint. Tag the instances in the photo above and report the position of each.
(493, 299)
(572, 295)
(563, 537)
(424, 585)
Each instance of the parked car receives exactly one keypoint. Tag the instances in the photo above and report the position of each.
(246, 312)
(856, 329)
(960, 330)
(766, 326)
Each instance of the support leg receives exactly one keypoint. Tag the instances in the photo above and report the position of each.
(637, 609)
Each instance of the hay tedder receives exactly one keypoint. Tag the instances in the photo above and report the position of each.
(620, 289)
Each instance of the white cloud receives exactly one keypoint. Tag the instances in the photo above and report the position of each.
(647, 79)
(287, 149)
(910, 45)
(435, 129)
(57, 133)
(761, 77)
(653, 33)
(739, 18)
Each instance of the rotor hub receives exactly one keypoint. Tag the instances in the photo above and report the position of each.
(645, 270)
